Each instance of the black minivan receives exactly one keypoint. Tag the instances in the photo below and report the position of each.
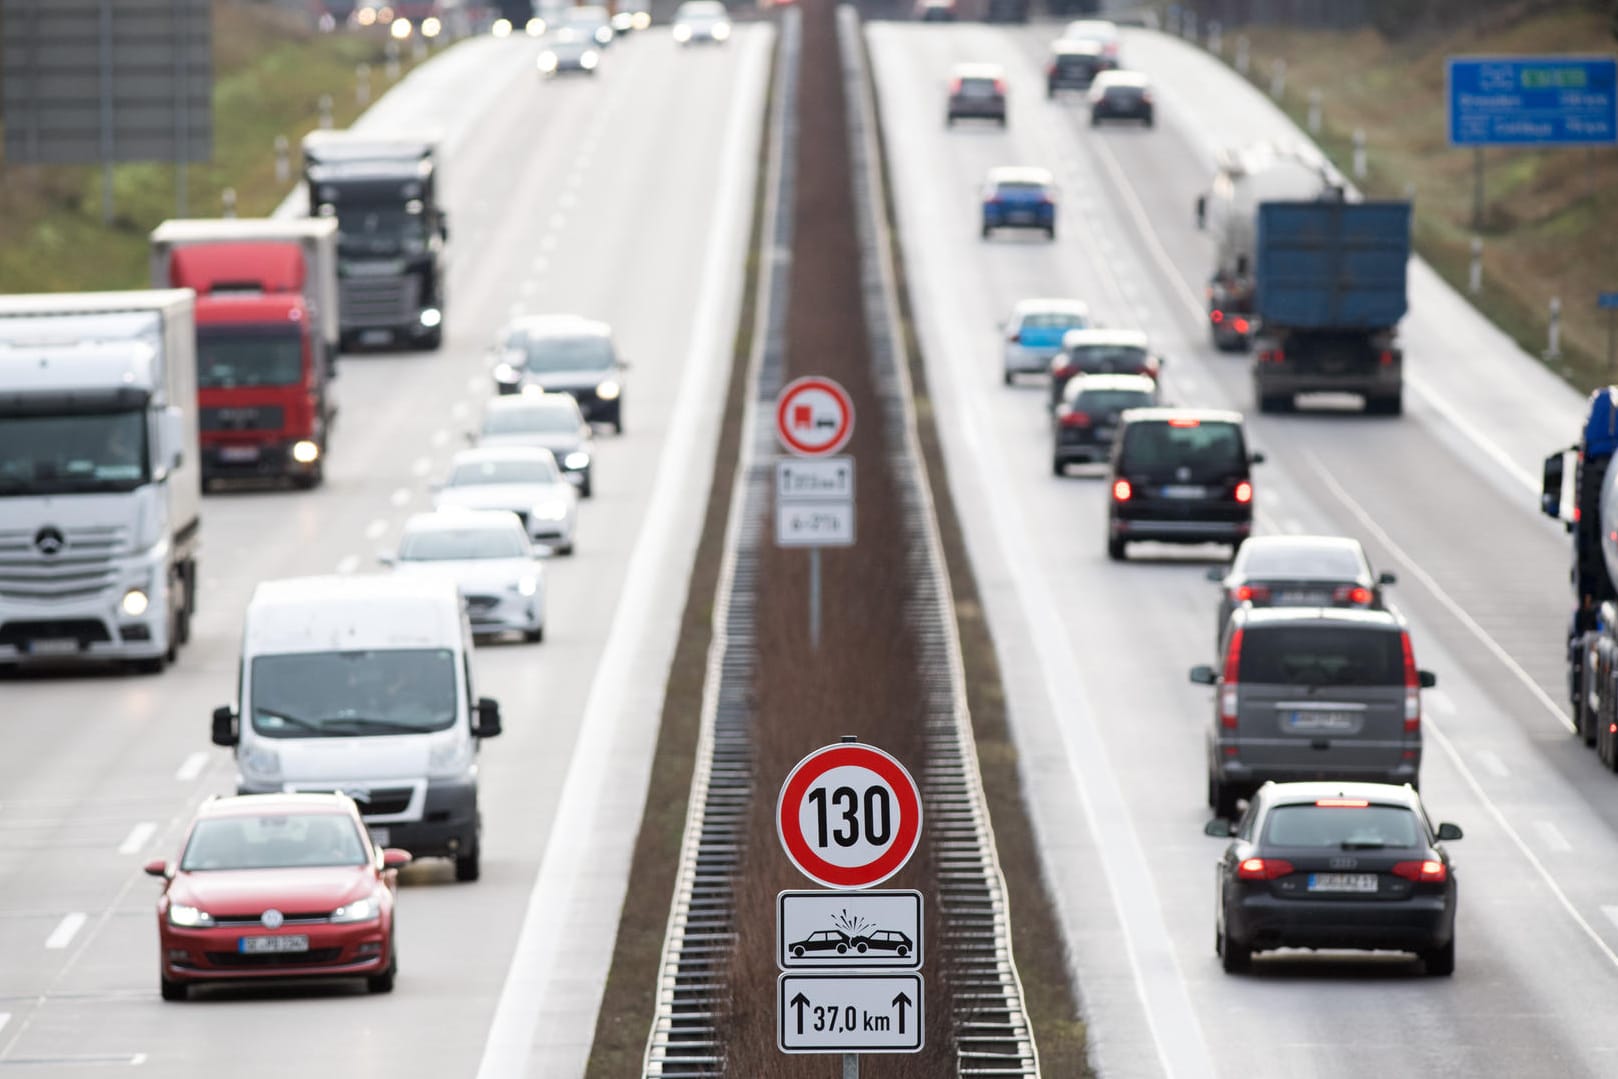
(1180, 475)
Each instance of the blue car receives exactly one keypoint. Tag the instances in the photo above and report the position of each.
(1019, 198)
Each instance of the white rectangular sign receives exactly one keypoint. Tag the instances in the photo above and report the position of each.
(814, 524)
(848, 930)
(854, 1012)
(822, 479)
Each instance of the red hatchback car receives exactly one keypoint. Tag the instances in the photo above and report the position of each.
(277, 886)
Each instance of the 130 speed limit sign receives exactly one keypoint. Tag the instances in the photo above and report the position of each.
(849, 816)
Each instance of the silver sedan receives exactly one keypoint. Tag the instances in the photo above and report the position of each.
(487, 555)
(524, 480)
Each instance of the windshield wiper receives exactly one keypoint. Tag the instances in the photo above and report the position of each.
(371, 723)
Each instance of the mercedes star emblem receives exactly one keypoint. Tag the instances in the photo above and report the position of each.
(49, 540)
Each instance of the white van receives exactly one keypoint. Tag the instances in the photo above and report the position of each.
(364, 685)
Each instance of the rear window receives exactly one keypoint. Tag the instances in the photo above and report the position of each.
(1208, 449)
(1343, 827)
(1110, 359)
(1321, 655)
(978, 87)
(1053, 320)
(1018, 189)
(1112, 400)
(1331, 563)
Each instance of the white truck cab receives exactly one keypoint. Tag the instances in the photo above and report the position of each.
(363, 685)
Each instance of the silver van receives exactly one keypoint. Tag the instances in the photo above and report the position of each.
(1312, 693)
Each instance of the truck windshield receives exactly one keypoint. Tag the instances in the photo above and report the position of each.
(229, 356)
(353, 694)
(380, 228)
(71, 453)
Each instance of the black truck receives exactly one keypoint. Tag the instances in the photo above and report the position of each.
(391, 232)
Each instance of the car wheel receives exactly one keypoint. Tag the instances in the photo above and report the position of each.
(534, 636)
(1050, 92)
(1389, 406)
(587, 486)
(1235, 956)
(798, 952)
(1007, 378)
(860, 948)
(842, 948)
(1440, 962)
(469, 866)
(1222, 799)
(901, 951)
(383, 983)
(986, 231)
(618, 421)
(1050, 232)
(1275, 402)
(173, 990)
(1003, 122)
(565, 550)
(1149, 122)
(1095, 121)
(307, 481)
(949, 120)
(1115, 550)
(1058, 467)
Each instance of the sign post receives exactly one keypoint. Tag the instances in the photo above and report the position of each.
(814, 490)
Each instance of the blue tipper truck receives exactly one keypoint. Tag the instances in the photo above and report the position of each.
(1580, 489)
(1329, 291)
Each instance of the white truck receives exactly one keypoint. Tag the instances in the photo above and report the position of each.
(99, 492)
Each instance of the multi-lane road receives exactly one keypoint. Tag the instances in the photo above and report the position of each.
(1095, 653)
(625, 197)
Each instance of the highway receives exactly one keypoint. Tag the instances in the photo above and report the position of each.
(1095, 654)
(626, 197)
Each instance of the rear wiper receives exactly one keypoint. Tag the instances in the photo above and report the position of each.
(1373, 845)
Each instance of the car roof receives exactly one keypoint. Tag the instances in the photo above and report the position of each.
(1121, 78)
(558, 325)
(1075, 46)
(244, 805)
(517, 402)
(454, 519)
(1051, 304)
(479, 454)
(1300, 616)
(978, 70)
(1020, 174)
(1305, 543)
(1164, 413)
(1308, 792)
(1105, 27)
(1096, 335)
(1116, 382)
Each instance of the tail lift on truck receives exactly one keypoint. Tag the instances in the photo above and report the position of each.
(99, 498)
(1312, 280)
(1580, 489)
(267, 338)
(391, 232)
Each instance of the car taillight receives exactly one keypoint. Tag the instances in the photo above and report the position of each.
(999, 86)
(1121, 491)
(1387, 358)
(1412, 687)
(1145, 97)
(1227, 684)
(1072, 417)
(1358, 595)
(1263, 868)
(1244, 492)
(1251, 593)
(1241, 325)
(1216, 316)
(1272, 355)
(955, 86)
(1428, 871)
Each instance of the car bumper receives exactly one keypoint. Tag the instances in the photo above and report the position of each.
(977, 110)
(1265, 921)
(335, 951)
(1236, 771)
(92, 628)
(1187, 529)
(1022, 360)
(490, 613)
(1018, 219)
(1101, 113)
(1093, 448)
(247, 460)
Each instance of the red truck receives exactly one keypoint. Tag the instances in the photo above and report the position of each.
(266, 340)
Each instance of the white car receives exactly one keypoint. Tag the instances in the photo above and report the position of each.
(589, 21)
(487, 555)
(1034, 332)
(548, 421)
(1100, 31)
(518, 479)
(696, 21)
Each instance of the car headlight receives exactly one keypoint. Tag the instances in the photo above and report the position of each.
(550, 511)
(603, 34)
(527, 585)
(501, 28)
(400, 29)
(589, 60)
(431, 316)
(547, 61)
(643, 19)
(609, 390)
(360, 910)
(507, 375)
(134, 603)
(189, 917)
(721, 31)
(682, 34)
(305, 452)
(576, 459)
(259, 762)
(535, 27)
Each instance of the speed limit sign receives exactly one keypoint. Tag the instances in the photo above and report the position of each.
(849, 816)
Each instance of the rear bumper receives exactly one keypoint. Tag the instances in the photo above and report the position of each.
(1092, 448)
(977, 110)
(1023, 360)
(1264, 921)
(1181, 529)
(1254, 776)
(1003, 217)
(1270, 380)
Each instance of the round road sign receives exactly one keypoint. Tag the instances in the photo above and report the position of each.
(814, 417)
(849, 816)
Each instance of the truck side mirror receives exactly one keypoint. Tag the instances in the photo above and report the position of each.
(1550, 489)
(224, 726)
(1202, 211)
(443, 228)
(488, 718)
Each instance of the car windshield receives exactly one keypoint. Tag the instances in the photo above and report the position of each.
(74, 453)
(1109, 359)
(273, 841)
(586, 352)
(528, 470)
(236, 356)
(1343, 827)
(347, 694)
(1321, 655)
(534, 419)
(1328, 563)
(1202, 450)
(1104, 401)
(459, 544)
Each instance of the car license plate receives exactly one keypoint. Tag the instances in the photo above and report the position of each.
(53, 646)
(1322, 722)
(1363, 883)
(1299, 598)
(1020, 216)
(376, 337)
(1184, 490)
(1104, 434)
(291, 942)
(380, 837)
(238, 453)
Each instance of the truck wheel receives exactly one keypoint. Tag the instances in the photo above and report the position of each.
(314, 477)
(432, 340)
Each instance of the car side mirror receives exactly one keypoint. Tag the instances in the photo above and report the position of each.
(394, 858)
(1550, 496)
(158, 867)
(1256, 457)
(1387, 578)
(1447, 832)
(624, 365)
(471, 438)
(1220, 828)
(1204, 675)
(225, 732)
(488, 718)
(1216, 574)
(1427, 679)
(1202, 211)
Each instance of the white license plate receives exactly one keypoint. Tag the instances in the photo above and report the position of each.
(1342, 882)
(376, 337)
(1020, 216)
(380, 837)
(291, 942)
(1298, 598)
(1322, 722)
(53, 646)
(238, 453)
(1104, 433)
(1184, 490)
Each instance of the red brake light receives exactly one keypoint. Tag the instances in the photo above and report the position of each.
(1121, 491)
(1358, 595)
(1412, 687)
(1227, 684)
(1272, 355)
(1429, 871)
(1249, 592)
(1216, 316)
(1342, 803)
(1244, 492)
(1387, 358)
(1263, 868)
(1241, 325)
(1182, 422)
(955, 86)
(1074, 418)
(999, 86)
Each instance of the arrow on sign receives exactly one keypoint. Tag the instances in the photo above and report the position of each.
(901, 1002)
(801, 1002)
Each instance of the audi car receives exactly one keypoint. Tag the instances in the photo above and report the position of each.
(548, 421)
(1298, 571)
(564, 354)
(488, 557)
(524, 480)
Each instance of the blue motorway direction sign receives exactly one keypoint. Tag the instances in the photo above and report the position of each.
(1533, 100)
(1607, 301)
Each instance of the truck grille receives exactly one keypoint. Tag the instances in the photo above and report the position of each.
(243, 418)
(82, 567)
(379, 302)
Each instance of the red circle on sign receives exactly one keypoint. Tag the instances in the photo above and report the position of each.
(787, 419)
(803, 775)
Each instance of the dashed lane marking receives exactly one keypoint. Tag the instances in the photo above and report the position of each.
(191, 767)
(66, 930)
(138, 837)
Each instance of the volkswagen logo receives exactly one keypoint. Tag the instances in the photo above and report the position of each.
(1344, 863)
(49, 540)
(272, 919)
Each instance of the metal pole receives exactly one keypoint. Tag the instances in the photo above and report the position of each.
(814, 603)
(1477, 187)
(851, 1066)
(105, 88)
(1474, 280)
(182, 112)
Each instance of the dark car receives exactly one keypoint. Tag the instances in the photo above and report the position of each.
(1336, 865)
(1101, 352)
(1019, 198)
(977, 92)
(1073, 65)
(1121, 95)
(1084, 424)
(826, 940)
(1298, 571)
(1180, 475)
(884, 940)
(1312, 693)
(564, 354)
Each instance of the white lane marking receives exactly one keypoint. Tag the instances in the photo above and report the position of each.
(541, 264)
(1440, 700)
(1611, 913)
(583, 874)
(421, 466)
(1491, 760)
(375, 529)
(400, 496)
(459, 410)
(1552, 836)
(1443, 597)
(517, 309)
(575, 178)
(348, 565)
(137, 1060)
(568, 200)
(440, 437)
(66, 930)
(5, 1017)
(547, 242)
(192, 767)
(137, 838)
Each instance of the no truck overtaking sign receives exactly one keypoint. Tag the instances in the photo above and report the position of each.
(814, 417)
(849, 816)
